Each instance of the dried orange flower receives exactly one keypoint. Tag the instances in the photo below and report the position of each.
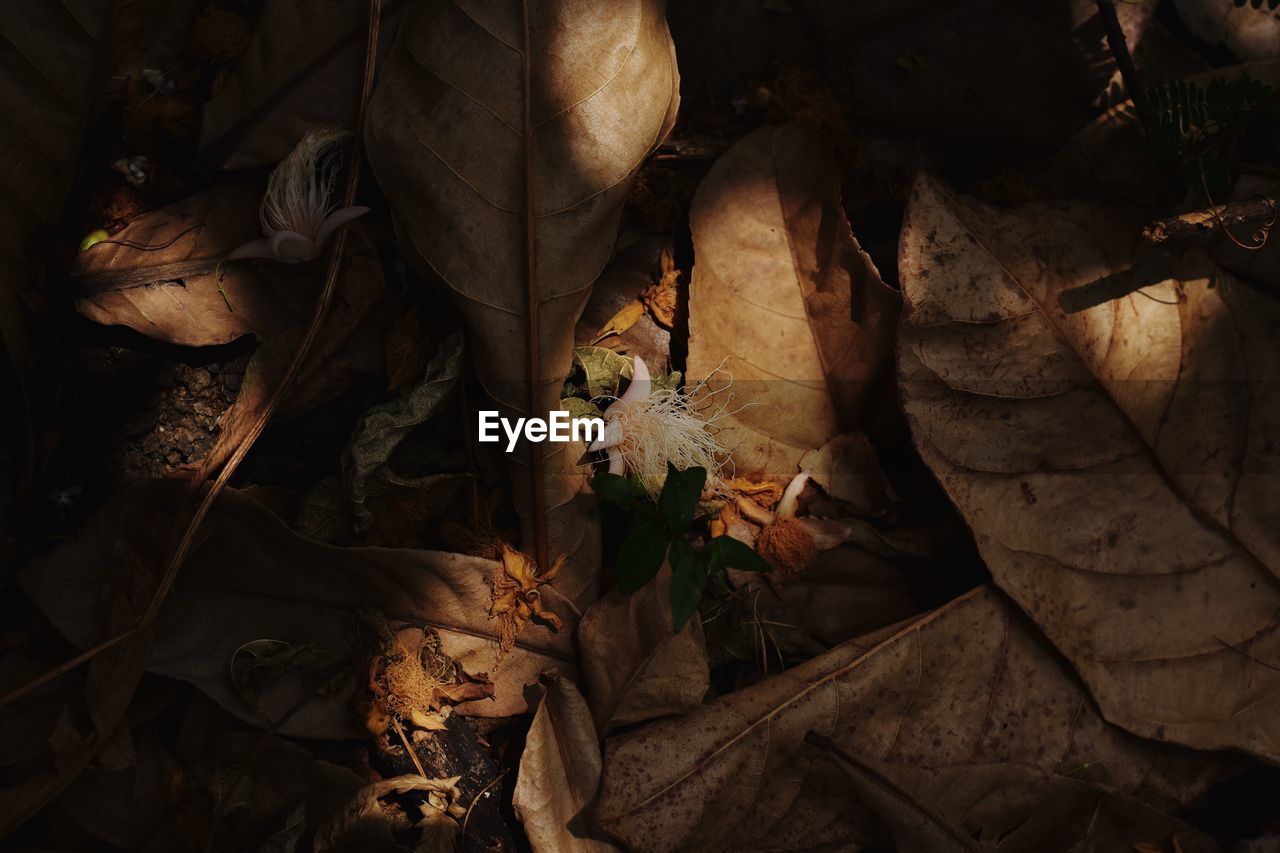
(516, 596)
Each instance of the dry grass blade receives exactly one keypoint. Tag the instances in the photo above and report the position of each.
(179, 553)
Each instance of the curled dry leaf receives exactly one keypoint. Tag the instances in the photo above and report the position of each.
(507, 137)
(301, 69)
(373, 819)
(382, 428)
(250, 577)
(1112, 461)
(635, 668)
(969, 685)
(559, 773)
(163, 276)
(50, 54)
(783, 301)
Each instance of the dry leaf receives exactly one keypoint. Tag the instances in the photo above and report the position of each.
(159, 276)
(381, 429)
(1248, 31)
(301, 69)
(88, 712)
(559, 773)
(252, 577)
(50, 54)
(1110, 460)
(847, 469)
(783, 300)
(514, 200)
(967, 685)
(634, 667)
(618, 290)
(989, 807)
(626, 317)
(369, 825)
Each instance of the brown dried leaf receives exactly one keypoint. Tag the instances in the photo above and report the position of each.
(559, 773)
(617, 290)
(960, 690)
(635, 668)
(1110, 460)
(84, 714)
(369, 825)
(159, 275)
(514, 200)
(301, 69)
(1002, 807)
(783, 300)
(252, 577)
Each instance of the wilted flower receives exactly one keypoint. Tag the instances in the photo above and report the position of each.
(297, 214)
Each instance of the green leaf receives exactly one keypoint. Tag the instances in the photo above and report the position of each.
(688, 580)
(680, 495)
(615, 489)
(725, 551)
(641, 557)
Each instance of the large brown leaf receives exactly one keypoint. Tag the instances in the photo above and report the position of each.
(49, 54)
(252, 578)
(559, 773)
(64, 728)
(507, 136)
(164, 275)
(783, 300)
(1115, 463)
(968, 686)
(636, 669)
(300, 70)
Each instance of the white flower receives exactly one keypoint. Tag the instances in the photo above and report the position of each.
(297, 214)
(646, 428)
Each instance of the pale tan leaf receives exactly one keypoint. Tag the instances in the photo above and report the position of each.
(1248, 31)
(1113, 462)
(160, 275)
(559, 773)
(783, 300)
(507, 143)
(251, 577)
(300, 70)
(636, 669)
(970, 684)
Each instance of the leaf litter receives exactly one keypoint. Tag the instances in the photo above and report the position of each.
(933, 510)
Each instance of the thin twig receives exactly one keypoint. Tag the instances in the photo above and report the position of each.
(1124, 60)
(413, 756)
(462, 838)
(1196, 223)
(175, 560)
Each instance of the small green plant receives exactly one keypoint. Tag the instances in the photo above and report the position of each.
(1200, 131)
(659, 534)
